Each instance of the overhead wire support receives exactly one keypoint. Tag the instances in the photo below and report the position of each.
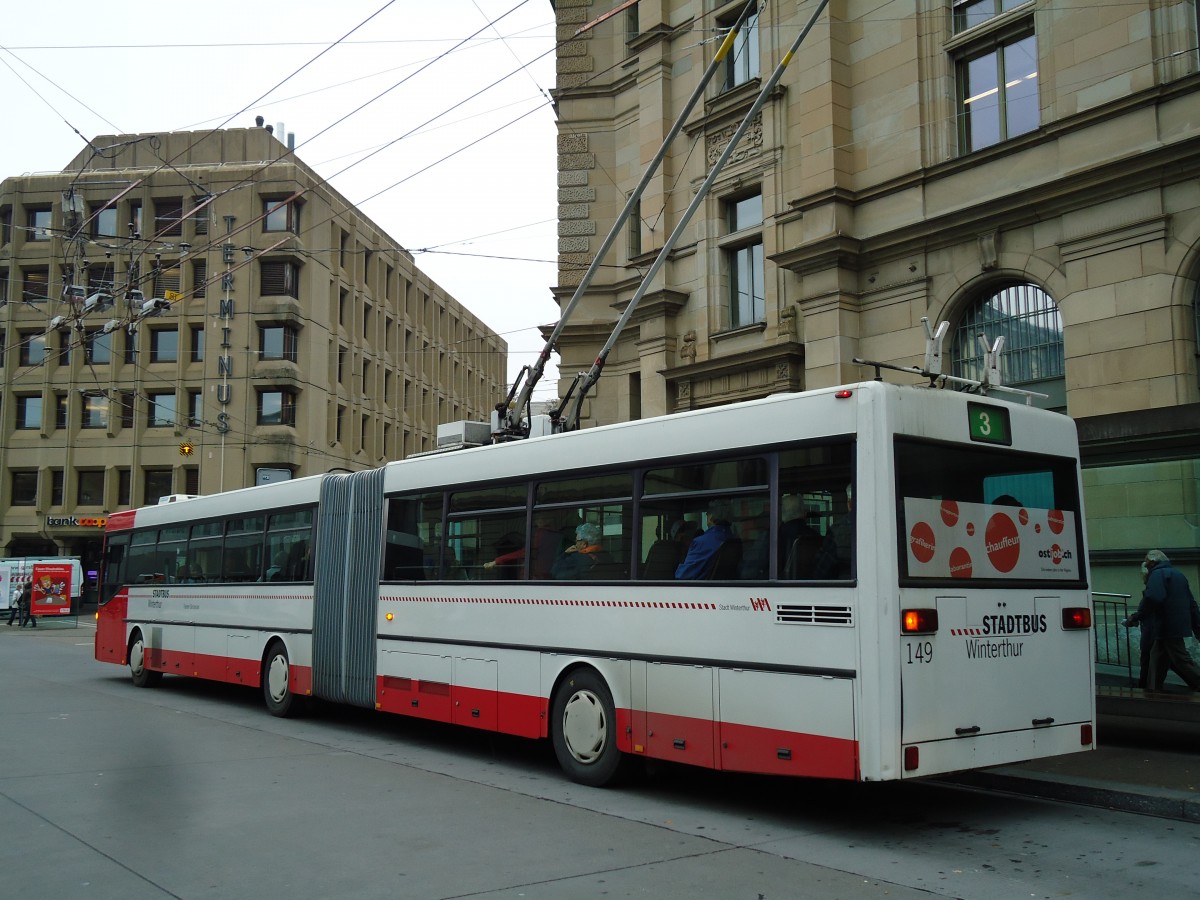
(512, 416)
(570, 422)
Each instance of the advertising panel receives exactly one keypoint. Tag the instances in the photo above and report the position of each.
(952, 539)
(51, 589)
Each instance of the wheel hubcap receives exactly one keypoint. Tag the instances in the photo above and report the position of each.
(585, 727)
(137, 658)
(277, 678)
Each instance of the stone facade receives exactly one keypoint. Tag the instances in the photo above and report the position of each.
(881, 205)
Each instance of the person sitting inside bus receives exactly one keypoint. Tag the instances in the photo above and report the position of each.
(799, 543)
(702, 552)
(547, 539)
(578, 559)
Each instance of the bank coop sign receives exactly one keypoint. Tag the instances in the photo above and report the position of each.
(76, 521)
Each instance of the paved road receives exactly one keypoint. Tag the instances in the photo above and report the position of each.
(192, 790)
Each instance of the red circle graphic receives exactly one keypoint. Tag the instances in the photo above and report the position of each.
(1002, 542)
(950, 512)
(1056, 520)
(1023, 515)
(921, 542)
(960, 563)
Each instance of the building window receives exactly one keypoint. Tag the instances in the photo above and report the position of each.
(135, 217)
(1033, 357)
(197, 343)
(279, 279)
(276, 407)
(98, 348)
(91, 487)
(338, 424)
(997, 74)
(5, 226)
(124, 487)
(160, 410)
(158, 485)
(61, 411)
(164, 345)
(65, 338)
(168, 217)
(277, 342)
(24, 488)
(95, 411)
(199, 277)
(39, 224)
(131, 347)
(741, 65)
(104, 221)
(36, 285)
(58, 486)
(29, 412)
(745, 261)
(201, 218)
(195, 416)
(191, 480)
(634, 233)
(33, 348)
(128, 398)
(100, 280)
(3, 286)
(167, 279)
(281, 215)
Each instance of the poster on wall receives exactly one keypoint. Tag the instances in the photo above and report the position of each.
(51, 589)
(952, 539)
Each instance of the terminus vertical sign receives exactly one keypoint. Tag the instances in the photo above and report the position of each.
(225, 365)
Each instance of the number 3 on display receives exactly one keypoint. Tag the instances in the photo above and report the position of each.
(920, 652)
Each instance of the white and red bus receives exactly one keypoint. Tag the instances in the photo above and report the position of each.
(899, 588)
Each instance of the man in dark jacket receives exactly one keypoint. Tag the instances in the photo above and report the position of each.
(21, 612)
(1168, 600)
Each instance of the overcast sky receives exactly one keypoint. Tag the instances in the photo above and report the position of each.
(485, 217)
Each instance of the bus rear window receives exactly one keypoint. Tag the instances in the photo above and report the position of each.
(985, 515)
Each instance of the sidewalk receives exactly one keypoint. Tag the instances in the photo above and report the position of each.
(1147, 762)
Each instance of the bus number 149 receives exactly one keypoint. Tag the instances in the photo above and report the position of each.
(920, 652)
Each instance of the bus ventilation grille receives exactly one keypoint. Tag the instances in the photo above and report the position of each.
(806, 614)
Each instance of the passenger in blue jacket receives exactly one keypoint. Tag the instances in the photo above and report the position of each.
(1169, 608)
(702, 551)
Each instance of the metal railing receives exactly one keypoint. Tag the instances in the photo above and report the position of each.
(1113, 647)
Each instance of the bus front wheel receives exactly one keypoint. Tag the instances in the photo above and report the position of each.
(583, 729)
(142, 677)
(276, 682)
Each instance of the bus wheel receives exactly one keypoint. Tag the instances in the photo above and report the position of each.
(142, 677)
(277, 691)
(583, 729)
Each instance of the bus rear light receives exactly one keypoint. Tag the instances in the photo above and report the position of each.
(912, 759)
(919, 621)
(843, 395)
(1076, 617)
(1085, 735)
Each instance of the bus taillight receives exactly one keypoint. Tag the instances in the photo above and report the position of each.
(919, 621)
(1076, 617)
(912, 759)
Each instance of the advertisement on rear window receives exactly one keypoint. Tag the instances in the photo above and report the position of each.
(952, 539)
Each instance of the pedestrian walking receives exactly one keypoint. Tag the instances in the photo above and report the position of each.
(1169, 609)
(20, 612)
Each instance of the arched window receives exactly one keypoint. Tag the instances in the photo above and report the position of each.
(1032, 357)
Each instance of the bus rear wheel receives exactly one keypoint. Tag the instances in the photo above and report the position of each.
(276, 682)
(142, 677)
(583, 729)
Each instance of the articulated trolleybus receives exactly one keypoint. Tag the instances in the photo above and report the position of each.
(867, 583)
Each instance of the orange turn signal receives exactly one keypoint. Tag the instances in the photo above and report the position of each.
(919, 621)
